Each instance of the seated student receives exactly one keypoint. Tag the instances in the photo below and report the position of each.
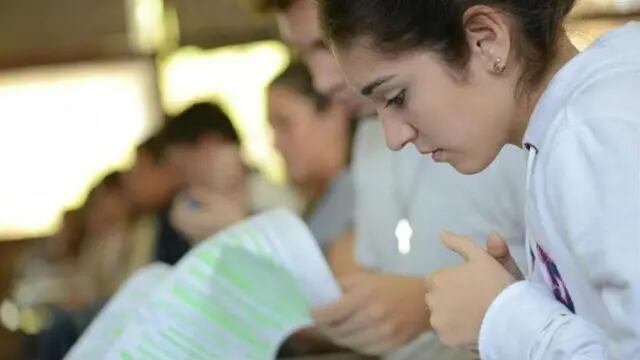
(107, 216)
(148, 187)
(218, 188)
(151, 185)
(460, 80)
(314, 137)
(73, 272)
(89, 279)
(44, 264)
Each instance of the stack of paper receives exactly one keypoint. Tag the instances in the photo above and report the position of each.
(236, 296)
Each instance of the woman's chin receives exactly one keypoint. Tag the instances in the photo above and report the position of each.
(468, 167)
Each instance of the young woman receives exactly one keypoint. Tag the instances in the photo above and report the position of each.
(460, 79)
(314, 136)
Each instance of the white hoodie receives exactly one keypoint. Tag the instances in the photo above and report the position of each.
(582, 296)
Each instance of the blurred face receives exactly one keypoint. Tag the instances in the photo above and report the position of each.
(304, 136)
(150, 184)
(300, 28)
(210, 163)
(180, 156)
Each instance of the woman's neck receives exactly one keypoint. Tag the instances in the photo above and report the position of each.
(318, 185)
(566, 52)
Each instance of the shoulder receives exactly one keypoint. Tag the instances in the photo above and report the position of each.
(601, 113)
(612, 94)
(590, 162)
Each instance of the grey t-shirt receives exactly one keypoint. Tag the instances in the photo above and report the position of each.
(434, 197)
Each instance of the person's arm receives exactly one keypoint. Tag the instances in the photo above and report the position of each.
(377, 313)
(593, 197)
(525, 322)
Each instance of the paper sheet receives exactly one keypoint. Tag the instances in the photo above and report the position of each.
(237, 295)
(107, 328)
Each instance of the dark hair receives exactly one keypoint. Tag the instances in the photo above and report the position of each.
(74, 221)
(297, 78)
(398, 25)
(197, 121)
(264, 6)
(155, 145)
(111, 181)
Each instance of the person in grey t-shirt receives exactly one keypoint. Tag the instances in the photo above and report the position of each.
(314, 137)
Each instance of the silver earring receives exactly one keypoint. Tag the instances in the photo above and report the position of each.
(498, 67)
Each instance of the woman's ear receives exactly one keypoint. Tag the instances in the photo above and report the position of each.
(488, 37)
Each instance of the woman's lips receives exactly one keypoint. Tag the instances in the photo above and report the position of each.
(437, 154)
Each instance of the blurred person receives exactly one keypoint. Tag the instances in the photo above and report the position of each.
(148, 187)
(42, 273)
(151, 185)
(107, 216)
(153, 180)
(63, 247)
(79, 260)
(96, 273)
(65, 244)
(396, 226)
(206, 147)
(314, 134)
(219, 189)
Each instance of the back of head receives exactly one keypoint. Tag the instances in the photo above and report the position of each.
(400, 25)
(199, 120)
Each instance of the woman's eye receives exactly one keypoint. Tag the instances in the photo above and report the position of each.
(397, 100)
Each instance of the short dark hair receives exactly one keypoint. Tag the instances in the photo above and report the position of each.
(197, 121)
(297, 77)
(266, 6)
(111, 181)
(155, 145)
(399, 25)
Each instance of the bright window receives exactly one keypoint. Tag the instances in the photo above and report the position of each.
(236, 77)
(61, 129)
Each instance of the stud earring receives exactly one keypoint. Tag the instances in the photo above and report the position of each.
(498, 67)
